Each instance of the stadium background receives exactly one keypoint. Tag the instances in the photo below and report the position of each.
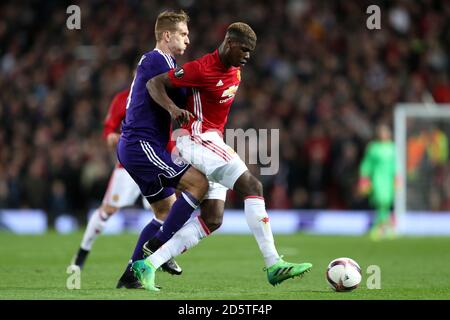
(318, 74)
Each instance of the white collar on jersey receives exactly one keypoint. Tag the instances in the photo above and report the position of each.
(169, 59)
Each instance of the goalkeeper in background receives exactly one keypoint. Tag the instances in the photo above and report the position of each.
(377, 180)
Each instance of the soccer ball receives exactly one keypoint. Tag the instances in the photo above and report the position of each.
(343, 274)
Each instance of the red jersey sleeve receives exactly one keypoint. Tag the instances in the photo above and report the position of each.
(189, 75)
(171, 144)
(116, 113)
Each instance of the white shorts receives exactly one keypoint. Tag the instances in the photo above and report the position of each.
(216, 191)
(209, 154)
(122, 191)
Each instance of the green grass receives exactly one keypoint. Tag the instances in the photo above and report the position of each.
(225, 267)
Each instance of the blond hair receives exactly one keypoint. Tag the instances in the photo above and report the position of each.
(167, 21)
(242, 32)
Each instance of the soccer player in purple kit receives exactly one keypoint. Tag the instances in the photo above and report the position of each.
(145, 133)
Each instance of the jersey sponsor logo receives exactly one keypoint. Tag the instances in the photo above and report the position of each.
(219, 84)
(229, 93)
(179, 72)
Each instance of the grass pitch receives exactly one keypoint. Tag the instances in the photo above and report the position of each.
(225, 267)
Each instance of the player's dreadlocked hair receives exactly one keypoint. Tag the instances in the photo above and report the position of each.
(242, 32)
(167, 21)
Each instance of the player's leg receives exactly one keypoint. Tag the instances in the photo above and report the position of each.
(160, 204)
(160, 208)
(390, 224)
(192, 186)
(257, 218)
(382, 202)
(95, 226)
(382, 213)
(211, 213)
(221, 164)
(391, 229)
(180, 210)
(153, 169)
(210, 219)
(122, 191)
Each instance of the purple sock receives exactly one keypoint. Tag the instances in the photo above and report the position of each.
(148, 232)
(178, 215)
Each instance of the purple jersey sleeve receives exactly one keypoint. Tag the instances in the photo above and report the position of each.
(153, 64)
(145, 119)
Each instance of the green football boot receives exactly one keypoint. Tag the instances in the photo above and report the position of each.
(145, 272)
(283, 270)
(376, 233)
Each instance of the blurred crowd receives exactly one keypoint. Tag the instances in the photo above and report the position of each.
(318, 74)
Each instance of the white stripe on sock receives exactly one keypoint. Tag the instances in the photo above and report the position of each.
(188, 200)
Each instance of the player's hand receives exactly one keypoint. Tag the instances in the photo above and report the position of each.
(181, 116)
(364, 186)
(112, 139)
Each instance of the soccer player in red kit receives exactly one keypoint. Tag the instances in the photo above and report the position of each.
(122, 191)
(213, 81)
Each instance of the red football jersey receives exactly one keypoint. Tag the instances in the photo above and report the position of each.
(213, 90)
(116, 113)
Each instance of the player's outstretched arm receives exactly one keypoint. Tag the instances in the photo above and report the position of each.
(157, 89)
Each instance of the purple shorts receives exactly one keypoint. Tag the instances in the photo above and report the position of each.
(151, 167)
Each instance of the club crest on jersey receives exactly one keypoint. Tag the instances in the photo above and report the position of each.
(229, 93)
(179, 162)
(179, 72)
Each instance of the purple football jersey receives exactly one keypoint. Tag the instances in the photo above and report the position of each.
(145, 119)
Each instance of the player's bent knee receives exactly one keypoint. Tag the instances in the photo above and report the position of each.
(211, 213)
(213, 219)
(213, 224)
(248, 185)
(162, 207)
(161, 213)
(257, 186)
(195, 183)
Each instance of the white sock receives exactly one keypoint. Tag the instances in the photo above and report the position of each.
(95, 226)
(185, 238)
(258, 221)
